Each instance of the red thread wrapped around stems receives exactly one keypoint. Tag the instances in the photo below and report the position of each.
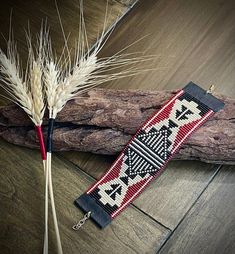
(41, 141)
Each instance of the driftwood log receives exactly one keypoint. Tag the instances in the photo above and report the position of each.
(102, 121)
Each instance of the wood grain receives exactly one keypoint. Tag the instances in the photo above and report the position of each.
(32, 13)
(127, 2)
(189, 40)
(209, 226)
(21, 195)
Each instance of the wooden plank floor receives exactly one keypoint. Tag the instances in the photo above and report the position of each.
(190, 208)
(209, 226)
(21, 219)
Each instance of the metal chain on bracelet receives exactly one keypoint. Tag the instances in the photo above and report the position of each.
(82, 221)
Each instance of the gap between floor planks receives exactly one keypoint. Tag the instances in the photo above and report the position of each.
(209, 225)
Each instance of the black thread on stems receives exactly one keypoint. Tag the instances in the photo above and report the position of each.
(51, 122)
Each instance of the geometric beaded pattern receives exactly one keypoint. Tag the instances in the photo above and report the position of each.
(146, 155)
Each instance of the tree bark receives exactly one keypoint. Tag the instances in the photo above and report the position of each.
(102, 121)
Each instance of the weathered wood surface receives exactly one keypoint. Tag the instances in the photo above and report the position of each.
(103, 121)
(209, 226)
(21, 196)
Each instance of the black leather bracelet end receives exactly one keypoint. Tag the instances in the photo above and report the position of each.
(204, 97)
(98, 215)
(51, 122)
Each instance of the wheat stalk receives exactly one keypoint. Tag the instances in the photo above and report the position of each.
(26, 88)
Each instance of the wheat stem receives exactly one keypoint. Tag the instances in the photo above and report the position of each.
(45, 247)
(54, 215)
